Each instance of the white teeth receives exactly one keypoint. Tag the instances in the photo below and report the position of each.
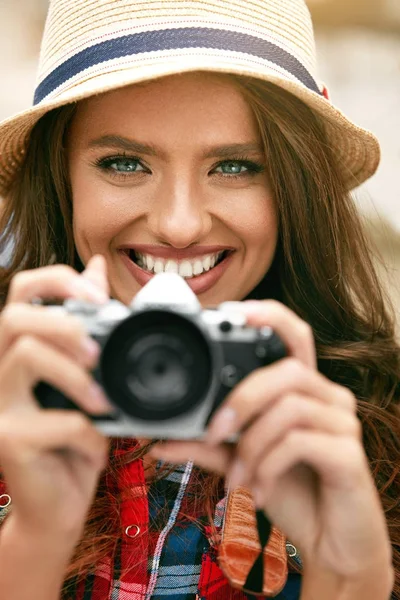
(150, 263)
(158, 266)
(197, 267)
(171, 267)
(207, 263)
(186, 268)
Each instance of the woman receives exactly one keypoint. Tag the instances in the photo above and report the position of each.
(193, 138)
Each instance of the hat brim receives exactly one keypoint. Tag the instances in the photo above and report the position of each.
(357, 150)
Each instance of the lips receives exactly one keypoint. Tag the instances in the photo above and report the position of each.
(201, 267)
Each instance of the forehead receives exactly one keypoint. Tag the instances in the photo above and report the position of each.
(198, 102)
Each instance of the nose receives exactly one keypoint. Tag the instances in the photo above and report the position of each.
(178, 216)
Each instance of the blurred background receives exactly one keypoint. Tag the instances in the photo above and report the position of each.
(359, 60)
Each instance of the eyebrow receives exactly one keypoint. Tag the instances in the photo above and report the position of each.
(232, 149)
(129, 145)
(122, 143)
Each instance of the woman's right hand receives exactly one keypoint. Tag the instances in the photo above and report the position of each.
(50, 459)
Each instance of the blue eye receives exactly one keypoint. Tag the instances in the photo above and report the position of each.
(238, 167)
(231, 168)
(123, 165)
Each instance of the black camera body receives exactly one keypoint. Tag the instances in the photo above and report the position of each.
(166, 364)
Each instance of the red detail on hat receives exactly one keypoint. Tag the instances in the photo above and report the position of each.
(325, 92)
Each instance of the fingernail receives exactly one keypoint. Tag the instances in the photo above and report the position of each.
(90, 348)
(101, 403)
(96, 259)
(237, 474)
(222, 426)
(84, 287)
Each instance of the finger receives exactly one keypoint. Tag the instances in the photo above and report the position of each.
(56, 281)
(64, 332)
(211, 459)
(50, 430)
(339, 465)
(96, 273)
(292, 412)
(295, 333)
(255, 394)
(30, 361)
(26, 440)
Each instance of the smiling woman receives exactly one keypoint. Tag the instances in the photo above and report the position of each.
(193, 138)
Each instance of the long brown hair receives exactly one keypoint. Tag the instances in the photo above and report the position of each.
(323, 270)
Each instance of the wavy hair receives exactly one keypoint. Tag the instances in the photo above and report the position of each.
(323, 270)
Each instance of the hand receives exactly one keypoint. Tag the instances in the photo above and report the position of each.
(300, 451)
(50, 459)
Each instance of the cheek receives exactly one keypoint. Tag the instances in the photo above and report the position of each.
(257, 223)
(93, 228)
(98, 214)
(92, 222)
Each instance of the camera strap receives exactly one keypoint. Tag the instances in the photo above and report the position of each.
(252, 553)
(255, 578)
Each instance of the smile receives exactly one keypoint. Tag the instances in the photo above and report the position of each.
(185, 268)
(201, 270)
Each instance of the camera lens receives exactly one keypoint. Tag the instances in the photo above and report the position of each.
(156, 365)
(159, 369)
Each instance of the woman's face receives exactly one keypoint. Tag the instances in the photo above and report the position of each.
(170, 176)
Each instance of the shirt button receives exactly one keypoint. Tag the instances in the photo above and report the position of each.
(5, 500)
(291, 550)
(132, 531)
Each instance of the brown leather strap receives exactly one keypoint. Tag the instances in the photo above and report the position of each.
(240, 546)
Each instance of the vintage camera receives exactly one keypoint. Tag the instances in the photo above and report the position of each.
(166, 365)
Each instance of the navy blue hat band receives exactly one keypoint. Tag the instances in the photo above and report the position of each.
(174, 39)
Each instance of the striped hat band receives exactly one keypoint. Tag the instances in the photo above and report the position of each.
(181, 38)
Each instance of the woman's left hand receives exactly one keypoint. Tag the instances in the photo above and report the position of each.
(300, 451)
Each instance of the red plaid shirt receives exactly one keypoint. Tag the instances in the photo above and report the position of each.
(188, 567)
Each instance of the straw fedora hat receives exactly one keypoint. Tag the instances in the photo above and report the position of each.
(92, 46)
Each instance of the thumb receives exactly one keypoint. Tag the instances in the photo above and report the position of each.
(96, 273)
